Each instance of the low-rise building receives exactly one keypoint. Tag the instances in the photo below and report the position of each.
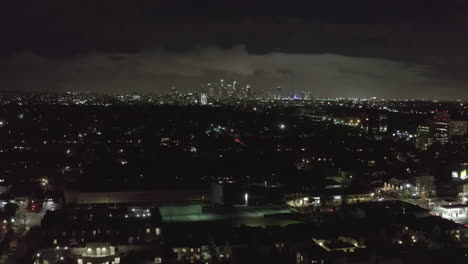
(425, 186)
(114, 199)
(77, 227)
(98, 253)
(344, 244)
(311, 254)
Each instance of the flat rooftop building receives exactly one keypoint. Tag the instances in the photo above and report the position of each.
(133, 198)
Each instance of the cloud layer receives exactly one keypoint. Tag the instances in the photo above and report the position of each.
(153, 71)
(393, 48)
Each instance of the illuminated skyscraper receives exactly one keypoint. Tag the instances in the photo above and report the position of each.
(440, 127)
(302, 95)
(423, 139)
(374, 123)
(221, 89)
(229, 91)
(248, 91)
(210, 90)
(234, 90)
(278, 93)
(204, 98)
(435, 131)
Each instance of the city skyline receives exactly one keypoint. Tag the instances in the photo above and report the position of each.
(398, 50)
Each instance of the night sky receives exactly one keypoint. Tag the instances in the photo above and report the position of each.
(338, 48)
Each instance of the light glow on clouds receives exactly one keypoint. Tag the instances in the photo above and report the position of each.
(157, 70)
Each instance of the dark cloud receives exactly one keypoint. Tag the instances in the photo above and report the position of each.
(350, 48)
(157, 70)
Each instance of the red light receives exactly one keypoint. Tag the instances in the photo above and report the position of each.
(331, 210)
(238, 141)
